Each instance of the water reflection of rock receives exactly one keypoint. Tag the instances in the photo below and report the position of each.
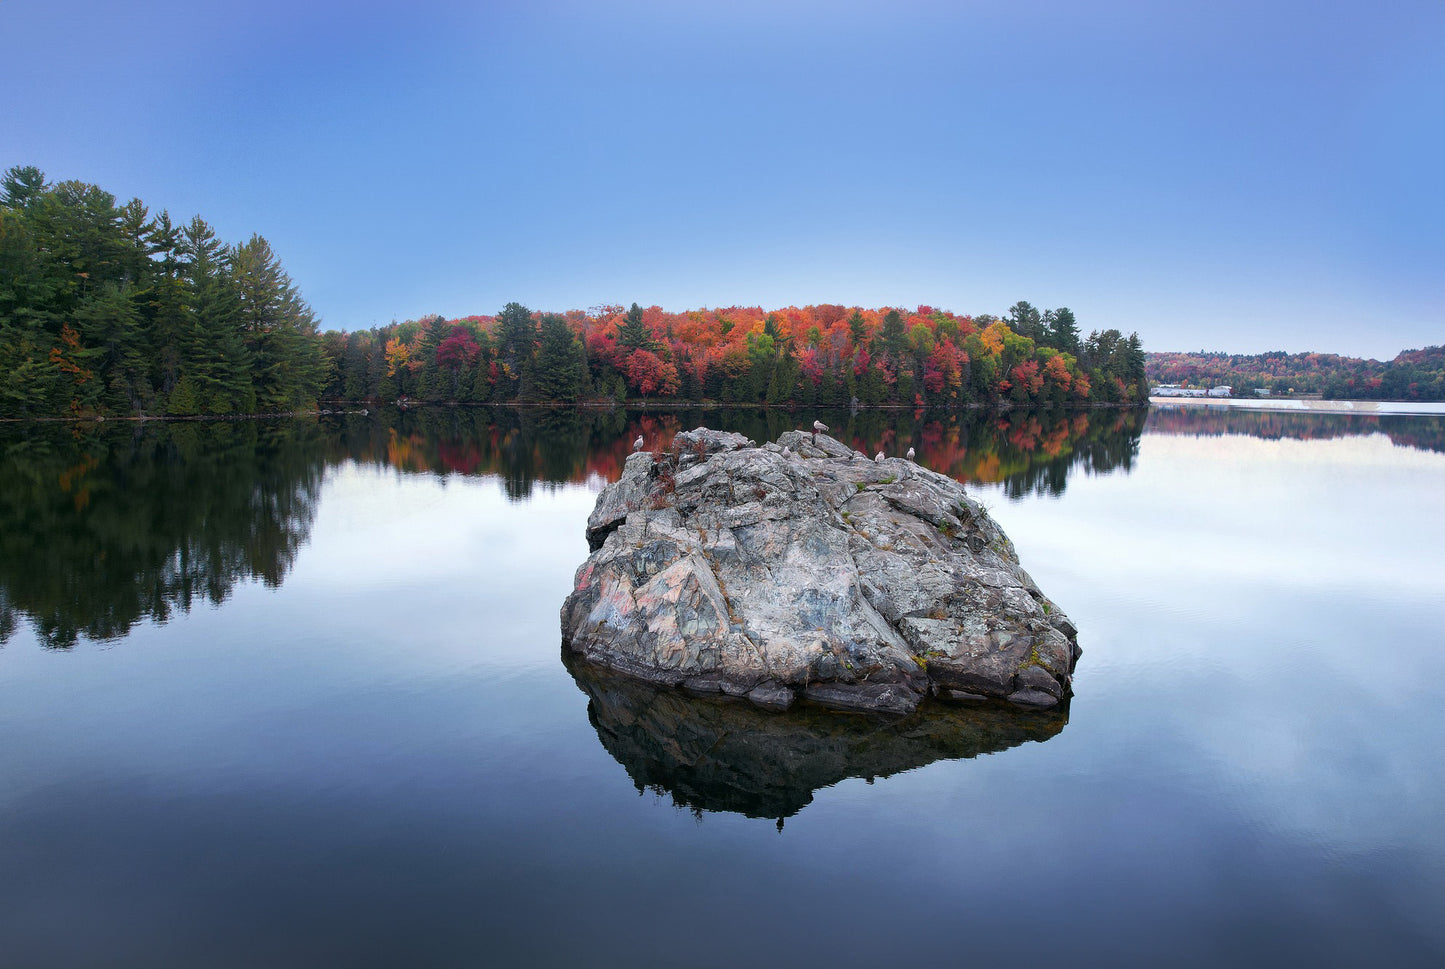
(715, 754)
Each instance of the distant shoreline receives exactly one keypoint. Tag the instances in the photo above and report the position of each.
(1296, 405)
(670, 405)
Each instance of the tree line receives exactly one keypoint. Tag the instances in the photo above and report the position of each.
(113, 309)
(825, 355)
(110, 309)
(1411, 375)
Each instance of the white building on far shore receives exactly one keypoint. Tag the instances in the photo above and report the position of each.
(1175, 390)
(1178, 390)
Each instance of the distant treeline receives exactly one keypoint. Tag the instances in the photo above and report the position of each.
(825, 355)
(108, 309)
(1412, 375)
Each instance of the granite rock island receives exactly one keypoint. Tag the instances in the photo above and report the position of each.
(804, 569)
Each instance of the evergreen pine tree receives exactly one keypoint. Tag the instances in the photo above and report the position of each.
(516, 343)
(1025, 320)
(1063, 330)
(632, 331)
(279, 330)
(560, 372)
(215, 354)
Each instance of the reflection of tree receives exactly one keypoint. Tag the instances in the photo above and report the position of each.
(520, 446)
(712, 754)
(1027, 451)
(1425, 432)
(1033, 453)
(102, 528)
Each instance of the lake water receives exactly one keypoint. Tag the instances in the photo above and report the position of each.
(291, 694)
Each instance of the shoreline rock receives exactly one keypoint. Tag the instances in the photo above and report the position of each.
(801, 568)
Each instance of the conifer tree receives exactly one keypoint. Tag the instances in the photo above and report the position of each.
(632, 331)
(516, 344)
(1025, 320)
(560, 372)
(1062, 330)
(279, 329)
(216, 358)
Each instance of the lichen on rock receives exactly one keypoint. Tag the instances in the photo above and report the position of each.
(803, 569)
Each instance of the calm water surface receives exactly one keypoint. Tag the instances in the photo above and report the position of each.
(292, 695)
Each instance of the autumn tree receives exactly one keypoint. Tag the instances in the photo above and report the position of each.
(649, 374)
(456, 356)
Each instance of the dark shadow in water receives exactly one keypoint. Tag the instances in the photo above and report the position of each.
(522, 447)
(718, 754)
(1425, 432)
(102, 527)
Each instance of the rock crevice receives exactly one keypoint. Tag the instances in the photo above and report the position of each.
(802, 569)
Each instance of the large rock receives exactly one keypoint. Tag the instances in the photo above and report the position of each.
(802, 568)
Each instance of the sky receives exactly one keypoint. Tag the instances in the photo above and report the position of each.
(1241, 175)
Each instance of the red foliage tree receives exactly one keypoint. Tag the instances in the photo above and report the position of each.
(458, 350)
(648, 373)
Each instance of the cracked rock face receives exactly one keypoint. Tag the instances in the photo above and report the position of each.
(724, 567)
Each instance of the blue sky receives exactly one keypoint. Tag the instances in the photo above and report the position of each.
(1221, 175)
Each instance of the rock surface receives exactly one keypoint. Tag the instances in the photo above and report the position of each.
(724, 567)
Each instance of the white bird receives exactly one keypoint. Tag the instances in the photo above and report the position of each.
(637, 444)
(879, 456)
(817, 427)
(787, 452)
(910, 454)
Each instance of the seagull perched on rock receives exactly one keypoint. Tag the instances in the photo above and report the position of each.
(637, 444)
(817, 427)
(787, 452)
(910, 454)
(878, 456)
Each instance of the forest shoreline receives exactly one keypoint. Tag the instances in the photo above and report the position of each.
(373, 407)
